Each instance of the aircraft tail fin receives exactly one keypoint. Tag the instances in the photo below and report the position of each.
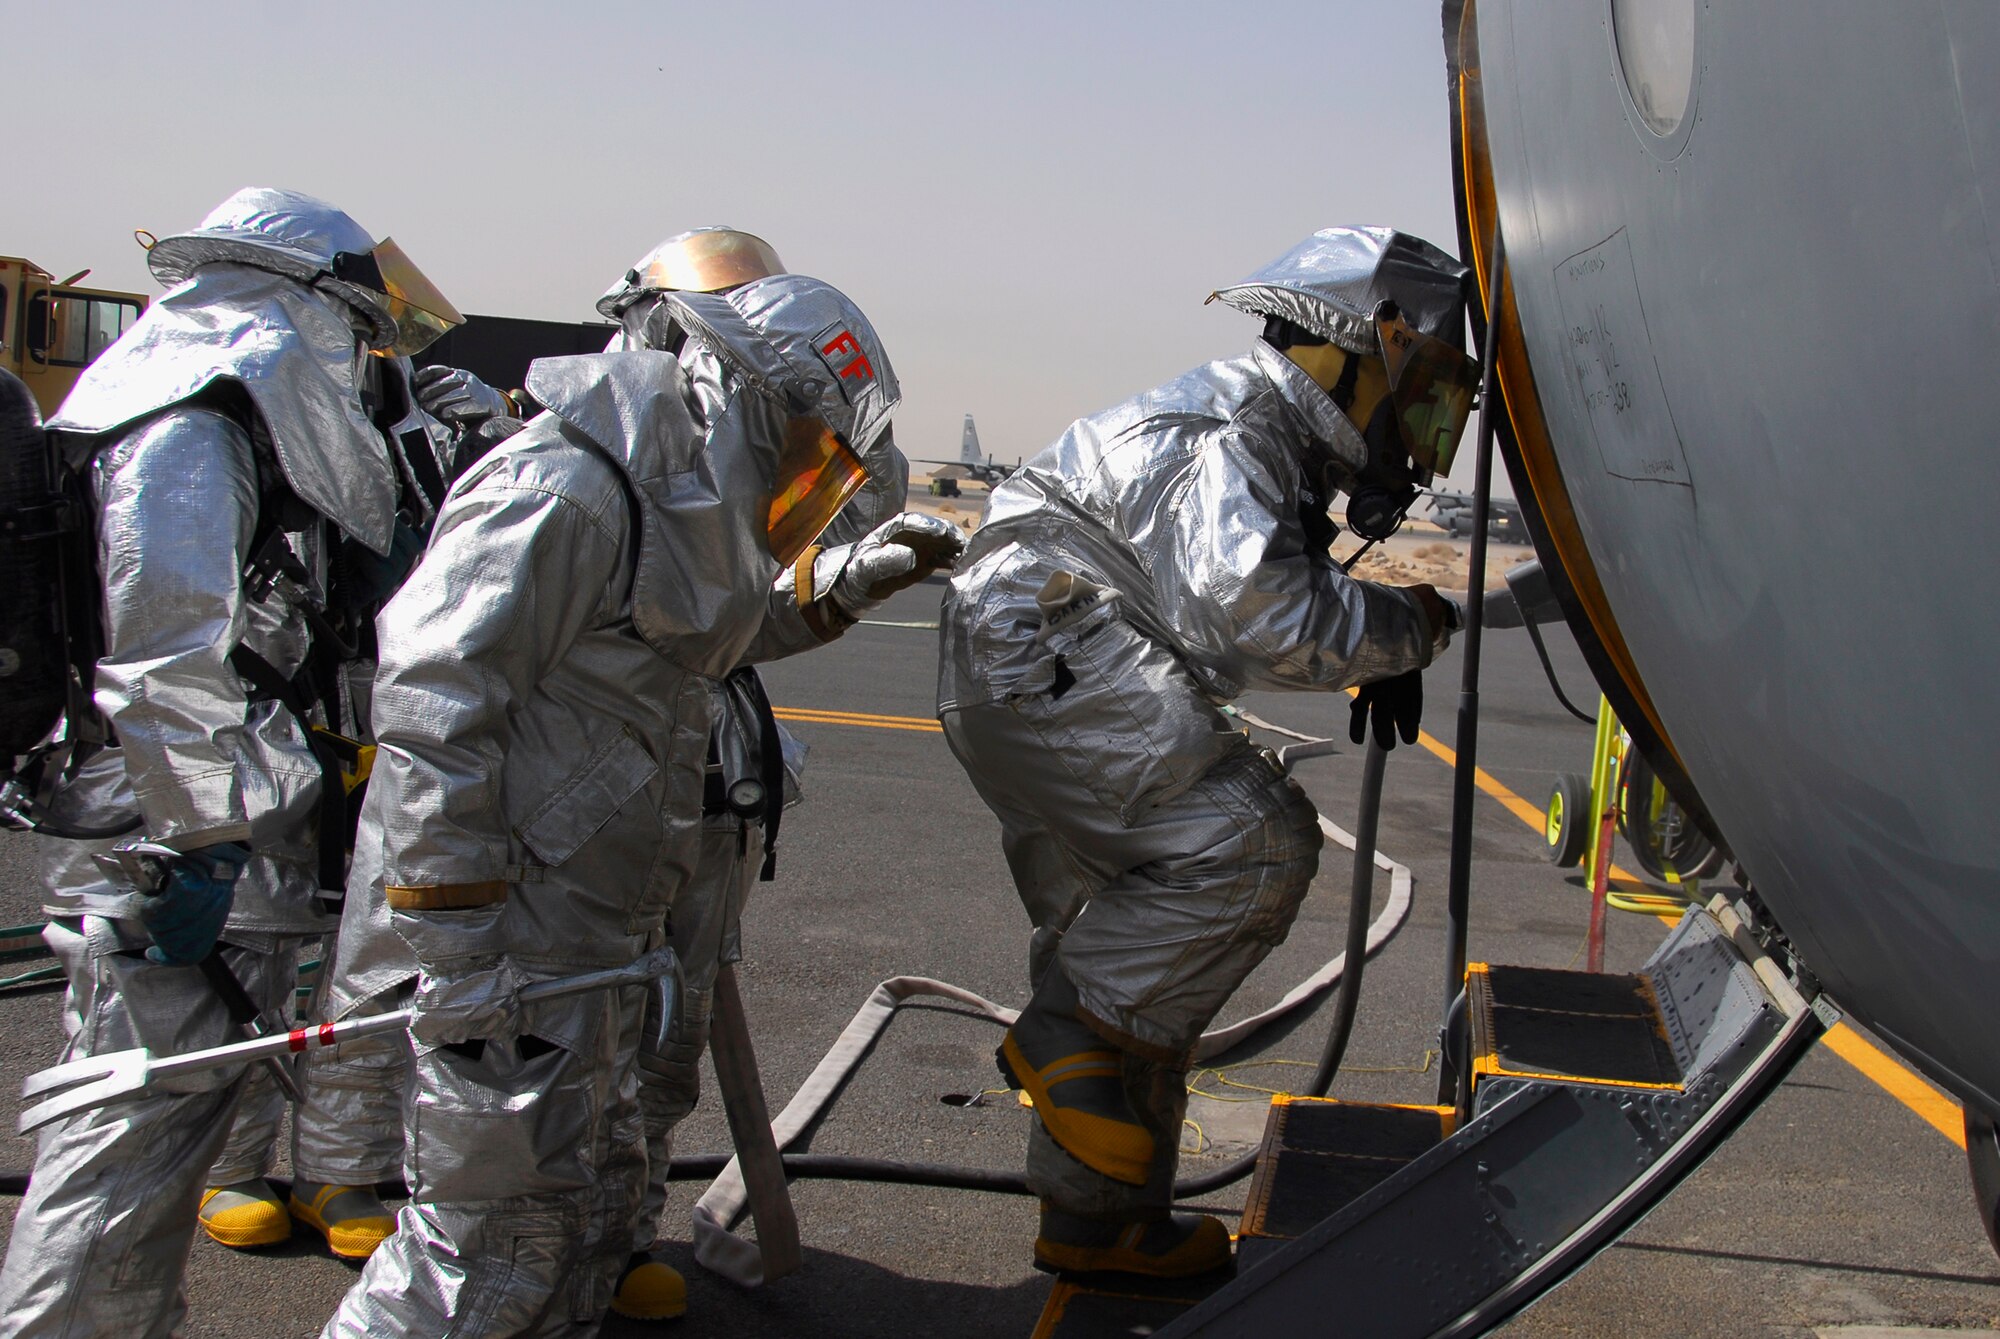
(968, 450)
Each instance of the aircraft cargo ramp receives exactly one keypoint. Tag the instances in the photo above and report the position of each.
(1592, 1097)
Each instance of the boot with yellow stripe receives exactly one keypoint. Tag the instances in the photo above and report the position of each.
(650, 1289)
(1075, 1080)
(245, 1215)
(1176, 1246)
(353, 1221)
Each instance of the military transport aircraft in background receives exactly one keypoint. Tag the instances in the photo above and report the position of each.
(972, 465)
(1452, 513)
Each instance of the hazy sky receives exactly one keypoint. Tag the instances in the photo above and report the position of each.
(1029, 200)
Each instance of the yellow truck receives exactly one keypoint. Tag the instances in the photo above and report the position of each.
(50, 331)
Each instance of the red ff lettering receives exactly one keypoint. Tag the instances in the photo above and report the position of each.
(860, 367)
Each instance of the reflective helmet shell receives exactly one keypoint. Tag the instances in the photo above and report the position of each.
(1332, 283)
(284, 232)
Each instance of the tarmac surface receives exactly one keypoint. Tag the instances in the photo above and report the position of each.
(1837, 1205)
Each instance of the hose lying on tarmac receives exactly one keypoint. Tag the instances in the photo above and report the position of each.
(723, 1203)
(722, 1251)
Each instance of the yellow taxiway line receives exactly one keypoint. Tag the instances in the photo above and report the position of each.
(1874, 1064)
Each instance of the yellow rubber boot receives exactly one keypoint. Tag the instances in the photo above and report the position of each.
(351, 1219)
(1166, 1248)
(244, 1215)
(1076, 1081)
(650, 1289)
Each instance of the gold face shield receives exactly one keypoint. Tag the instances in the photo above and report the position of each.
(1431, 386)
(817, 474)
(420, 311)
(707, 261)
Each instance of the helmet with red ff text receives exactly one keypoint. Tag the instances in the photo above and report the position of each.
(804, 347)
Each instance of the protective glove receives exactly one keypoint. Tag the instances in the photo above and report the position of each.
(453, 395)
(1397, 706)
(184, 915)
(467, 1000)
(894, 556)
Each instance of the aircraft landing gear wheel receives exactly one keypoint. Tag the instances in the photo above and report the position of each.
(1982, 1158)
(1566, 830)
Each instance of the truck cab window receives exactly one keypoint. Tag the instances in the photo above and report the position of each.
(70, 329)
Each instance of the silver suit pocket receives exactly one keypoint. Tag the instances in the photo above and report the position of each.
(587, 799)
(1127, 718)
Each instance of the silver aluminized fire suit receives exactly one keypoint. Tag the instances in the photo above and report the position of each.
(543, 709)
(349, 1129)
(1159, 854)
(705, 920)
(237, 386)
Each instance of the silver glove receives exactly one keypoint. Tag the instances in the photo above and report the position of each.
(895, 555)
(453, 395)
(466, 1002)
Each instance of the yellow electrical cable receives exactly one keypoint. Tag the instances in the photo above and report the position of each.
(1581, 945)
(1220, 1074)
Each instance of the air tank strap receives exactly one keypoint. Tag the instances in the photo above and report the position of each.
(338, 810)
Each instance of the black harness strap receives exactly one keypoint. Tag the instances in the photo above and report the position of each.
(337, 813)
(745, 684)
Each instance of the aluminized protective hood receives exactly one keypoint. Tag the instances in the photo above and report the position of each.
(292, 348)
(802, 343)
(285, 232)
(1331, 283)
(701, 491)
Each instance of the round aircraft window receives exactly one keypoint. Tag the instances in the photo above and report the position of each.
(1656, 55)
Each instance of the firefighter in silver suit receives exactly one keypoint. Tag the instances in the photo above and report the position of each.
(230, 431)
(1158, 560)
(543, 709)
(347, 1131)
(705, 919)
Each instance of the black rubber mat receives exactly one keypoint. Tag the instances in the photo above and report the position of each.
(1583, 1025)
(1359, 1130)
(1320, 1156)
(1570, 992)
(1088, 1315)
(1122, 1305)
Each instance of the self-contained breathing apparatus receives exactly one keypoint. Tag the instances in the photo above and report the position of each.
(51, 612)
(50, 626)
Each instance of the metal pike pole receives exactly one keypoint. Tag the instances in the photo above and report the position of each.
(1459, 895)
(93, 1080)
